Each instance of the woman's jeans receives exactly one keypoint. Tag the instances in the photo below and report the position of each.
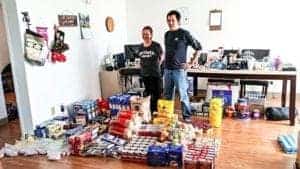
(177, 78)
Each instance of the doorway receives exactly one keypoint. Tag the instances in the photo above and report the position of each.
(9, 93)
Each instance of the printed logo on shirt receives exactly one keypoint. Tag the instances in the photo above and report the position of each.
(146, 54)
(176, 39)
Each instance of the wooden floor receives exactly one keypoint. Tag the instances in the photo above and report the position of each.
(245, 145)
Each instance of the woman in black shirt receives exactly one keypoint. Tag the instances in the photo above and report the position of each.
(150, 54)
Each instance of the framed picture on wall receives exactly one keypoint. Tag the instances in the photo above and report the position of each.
(67, 20)
(85, 27)
(215, 20)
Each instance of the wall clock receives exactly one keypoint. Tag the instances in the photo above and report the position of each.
(109, 24)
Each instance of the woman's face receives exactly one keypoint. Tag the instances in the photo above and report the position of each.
(147, 35)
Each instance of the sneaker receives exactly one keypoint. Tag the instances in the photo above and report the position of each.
(187, 120)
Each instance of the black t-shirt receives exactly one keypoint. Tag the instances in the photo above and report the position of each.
(150, 57)
(176, 43)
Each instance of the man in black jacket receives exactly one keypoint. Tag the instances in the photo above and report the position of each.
(176, 42)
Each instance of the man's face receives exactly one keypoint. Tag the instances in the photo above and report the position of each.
(172, 22)
(147, 36)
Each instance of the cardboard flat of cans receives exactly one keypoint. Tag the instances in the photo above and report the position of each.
(136, 149)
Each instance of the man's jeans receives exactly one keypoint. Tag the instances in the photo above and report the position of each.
(177, 78)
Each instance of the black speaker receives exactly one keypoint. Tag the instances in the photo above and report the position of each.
(202, 59)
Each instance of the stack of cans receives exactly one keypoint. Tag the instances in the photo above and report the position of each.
(105, 146)
(136, 149)
(103, 106)
(199, 157)
(112, 139)
(80, 142)
(103, 149)
(84, 111)
(121, 126)
(74, 131)
(118, 103)
(149, 130)
(90, 107)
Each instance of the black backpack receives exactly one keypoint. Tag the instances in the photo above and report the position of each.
(277, 113)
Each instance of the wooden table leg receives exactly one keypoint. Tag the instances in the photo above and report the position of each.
(292, 101)
(195, 84)
(283, 93)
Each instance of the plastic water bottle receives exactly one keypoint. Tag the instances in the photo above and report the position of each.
(277, 63)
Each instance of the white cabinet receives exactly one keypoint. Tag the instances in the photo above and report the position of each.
(109, 83)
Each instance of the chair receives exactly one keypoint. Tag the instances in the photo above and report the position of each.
(258, 54)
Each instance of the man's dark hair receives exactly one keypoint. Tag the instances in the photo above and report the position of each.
(176, 13)
(148, 28)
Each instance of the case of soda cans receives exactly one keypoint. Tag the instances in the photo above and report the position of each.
(84, 112)
(175, 155)
(157, 155)
(200, 157)
(103, 149)
(80, 142)
(119, 102)
(103, 106)
(136, 149)
(149, 130)
(73, 131)
(113, 139)
(122, 125)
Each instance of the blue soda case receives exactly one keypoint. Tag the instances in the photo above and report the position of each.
(41, 132)
(157, 156)
(175, 155)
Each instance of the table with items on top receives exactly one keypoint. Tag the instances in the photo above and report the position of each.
(285, 76)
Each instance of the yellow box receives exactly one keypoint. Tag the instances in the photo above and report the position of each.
(165, 106)
(161, 120)
(166, 115)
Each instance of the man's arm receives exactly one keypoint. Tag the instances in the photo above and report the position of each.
(195, 45)
(161, 54)
(195, 56)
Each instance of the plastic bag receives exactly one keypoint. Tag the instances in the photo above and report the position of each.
(36, 50)
(10, 150)
(2, 153)
(53, 155)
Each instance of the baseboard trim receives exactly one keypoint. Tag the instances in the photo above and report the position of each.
(3, 121)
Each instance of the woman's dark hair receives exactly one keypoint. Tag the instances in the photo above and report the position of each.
(148, 28)
(176, 13)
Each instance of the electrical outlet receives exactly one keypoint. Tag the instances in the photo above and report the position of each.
(53, 111)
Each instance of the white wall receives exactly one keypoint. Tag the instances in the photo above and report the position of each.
(246, 24)
(76, 79)
(18, 69)
(4, 60)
